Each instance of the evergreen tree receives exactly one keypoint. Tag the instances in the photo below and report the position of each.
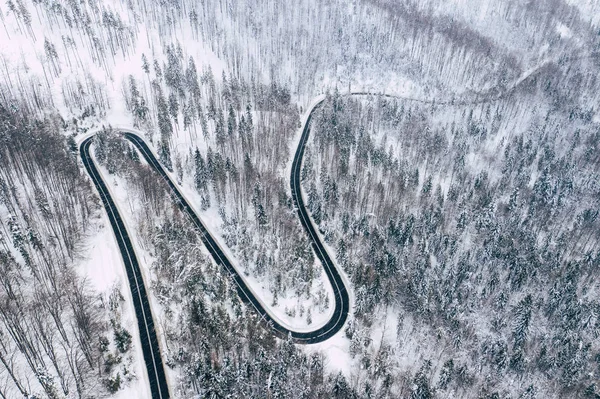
(200, 174)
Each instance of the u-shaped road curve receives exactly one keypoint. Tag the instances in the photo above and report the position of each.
(150, 346)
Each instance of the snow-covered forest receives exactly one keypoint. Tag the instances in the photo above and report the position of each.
(457, 190)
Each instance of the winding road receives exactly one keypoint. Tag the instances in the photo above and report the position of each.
(149, 341)
(150, 346)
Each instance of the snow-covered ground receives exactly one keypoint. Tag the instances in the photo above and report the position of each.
(26, 67)
(104, 269)
(131, 208)
(128, 208)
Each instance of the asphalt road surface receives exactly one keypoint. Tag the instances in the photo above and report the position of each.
(150, 347)
(154, 365)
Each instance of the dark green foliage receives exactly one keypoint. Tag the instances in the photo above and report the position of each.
(421, 386)
(122, 339)
(113, 384)
(455, 245)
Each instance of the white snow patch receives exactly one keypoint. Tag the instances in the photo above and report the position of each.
(104, 269)
(564, 31)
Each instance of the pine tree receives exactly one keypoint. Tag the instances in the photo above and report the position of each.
(164, 121)
(174, 70)
(145, 64)
(157, 70)
(200, 175)
(174, 107)
(446, 374)
(220, 131)
(249, 121)
(421, 386)
(164, 155)
(191, 77)
(231, 122)
(522, 317)
(314, 203)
